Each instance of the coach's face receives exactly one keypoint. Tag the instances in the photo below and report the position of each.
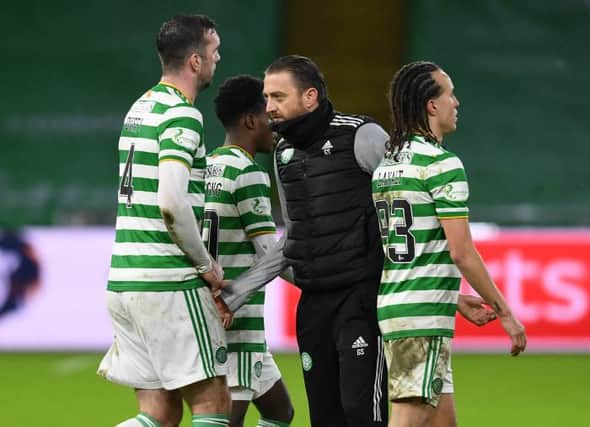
(284, 99)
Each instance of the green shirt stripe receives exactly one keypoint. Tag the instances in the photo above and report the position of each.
(160, 125)
(426, 182)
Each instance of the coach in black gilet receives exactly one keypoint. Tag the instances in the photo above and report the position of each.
(323, 165)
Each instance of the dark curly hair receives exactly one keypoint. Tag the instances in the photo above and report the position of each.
(237, 96)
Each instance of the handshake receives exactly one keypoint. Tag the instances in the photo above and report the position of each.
(214, 279)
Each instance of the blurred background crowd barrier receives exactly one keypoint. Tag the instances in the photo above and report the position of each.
(53, 298)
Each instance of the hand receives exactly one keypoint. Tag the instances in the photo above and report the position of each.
(224, 312)
(515, 331)
(472, 308)
(214, 278)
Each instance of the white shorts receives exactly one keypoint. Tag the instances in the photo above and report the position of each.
(164, 339)
(419, 367)
(251, 375)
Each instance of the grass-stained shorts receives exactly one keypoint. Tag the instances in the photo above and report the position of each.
(164, 339)
(419, 367)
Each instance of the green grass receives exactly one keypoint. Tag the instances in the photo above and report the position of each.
(61, 390)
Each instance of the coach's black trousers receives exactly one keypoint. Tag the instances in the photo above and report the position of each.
(342, 357)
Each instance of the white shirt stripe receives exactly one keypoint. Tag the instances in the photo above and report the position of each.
(417, 322)
(140, 223)
(152, 274)
(437, 270)
(145, 145)
(414, 297)
(154, 249)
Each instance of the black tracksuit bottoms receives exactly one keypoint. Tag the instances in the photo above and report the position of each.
(342, 357)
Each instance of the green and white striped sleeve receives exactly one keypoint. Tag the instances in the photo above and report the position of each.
(447, 184)
(252, 198)
(180, 134)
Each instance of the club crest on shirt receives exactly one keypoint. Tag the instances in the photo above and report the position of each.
(403, 157)
(437, 385)
(221, 355)
(287, 155)
(258, 369)
(306, 361)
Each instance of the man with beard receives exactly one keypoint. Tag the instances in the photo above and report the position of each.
(169, 343)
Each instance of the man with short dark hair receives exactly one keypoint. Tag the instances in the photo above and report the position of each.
(323, 165)
(169, 343)
(239, 228)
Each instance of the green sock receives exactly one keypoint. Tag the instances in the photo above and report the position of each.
(265, 422)
(146, 421)
(208, 420)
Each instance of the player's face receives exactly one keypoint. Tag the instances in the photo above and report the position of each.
(284, 100)
(264, 138)
(209, 58)
(446, 104)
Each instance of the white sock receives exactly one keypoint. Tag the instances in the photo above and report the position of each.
(141, 420)
(131, 422)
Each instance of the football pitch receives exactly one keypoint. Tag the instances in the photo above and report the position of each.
(61, 390)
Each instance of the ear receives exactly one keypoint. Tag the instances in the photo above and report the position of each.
(431, 107)
(194, 61)
(249, 121)
(310, 97)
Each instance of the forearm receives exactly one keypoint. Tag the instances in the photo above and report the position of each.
(263, 271)
(184, 231)
(179, 217)
(262, 245)
(475, 272)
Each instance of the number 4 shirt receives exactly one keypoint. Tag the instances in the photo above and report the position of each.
(412, 192)
(162, 125)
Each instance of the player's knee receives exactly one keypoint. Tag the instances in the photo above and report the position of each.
(218, 397)
(275, 404)
(209, 396)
